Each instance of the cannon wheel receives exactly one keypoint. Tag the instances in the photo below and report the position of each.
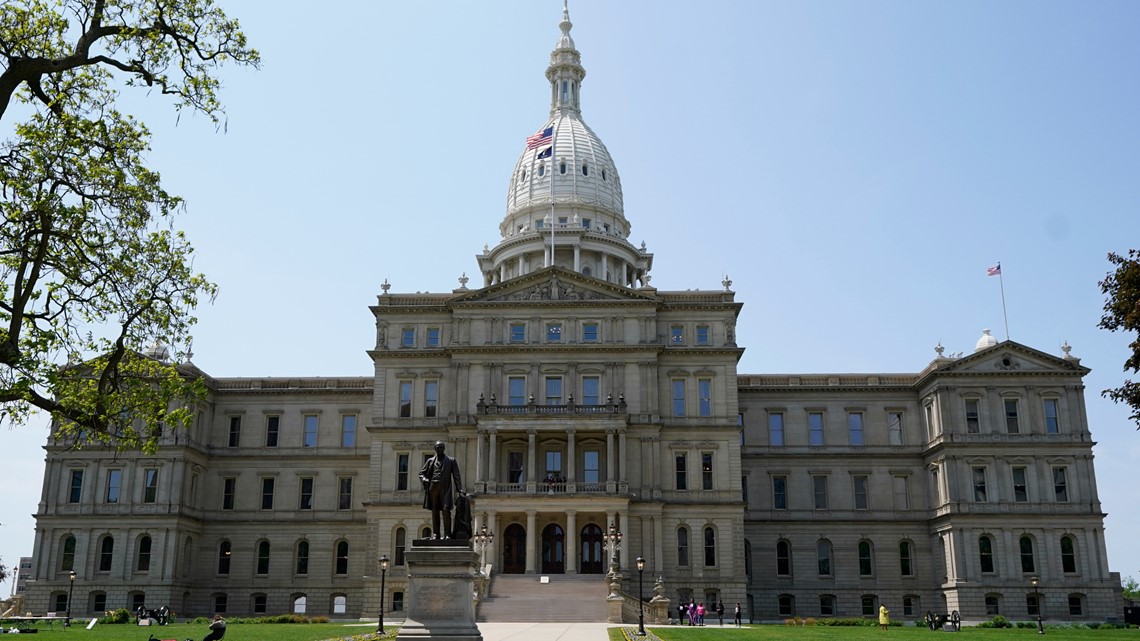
(956, 619)
(931, 621)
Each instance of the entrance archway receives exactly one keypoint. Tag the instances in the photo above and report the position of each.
(591, 557)
(514, 549)
(553, 549)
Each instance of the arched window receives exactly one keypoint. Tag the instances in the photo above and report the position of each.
(541, 169)
(1076, 605)
(299, 603)
(906, 558)
(263, 557)
(340, 604)
(603, 173)
(586, 271)
(823, 557)
(106, 553)
(710, 546)
(866, 563)
(993, 605)
(585, 170)
(426, 532)
(1068, 554)
(187, 556)
(682, 546)
(1026, 546)
(342, 557)
(143, 562)
(783, 558)
(401, 545)
(748, 560)
(562, 167)
(302, 557)
(67, 557)
(225, 552)
(787, 605)
(986, 553)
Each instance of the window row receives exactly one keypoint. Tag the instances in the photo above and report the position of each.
(829, 605)
(271, 434)
(554, 391)
(563, 167)
(300, 565)
(113, 486)
(681, 390)
(1026, 554)
(707, 543)
(105, 556)
(815, 428)
(1036, 605)
(825, 561)
(701, 335)
(681, 470)
(1021, 485)
(1010, 420)
(306, 490)
(860, 498)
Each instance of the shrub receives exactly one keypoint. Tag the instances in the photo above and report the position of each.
(116, 616)
(1001, 622)
(809, 621)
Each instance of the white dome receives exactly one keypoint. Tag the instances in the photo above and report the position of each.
(985, 341)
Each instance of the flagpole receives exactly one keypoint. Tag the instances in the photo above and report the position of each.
(1004, 316)
(553, 219)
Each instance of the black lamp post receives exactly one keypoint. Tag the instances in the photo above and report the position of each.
(383, 577)
(1040, 605)
(640, 598)
(70, 591)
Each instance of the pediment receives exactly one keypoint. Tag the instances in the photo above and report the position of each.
(554, 285)
(1010, 357)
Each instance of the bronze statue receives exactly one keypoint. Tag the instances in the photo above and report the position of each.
(438, 475)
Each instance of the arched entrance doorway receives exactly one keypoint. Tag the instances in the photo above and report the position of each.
(514, 549)
(553, 549)
(591, 550)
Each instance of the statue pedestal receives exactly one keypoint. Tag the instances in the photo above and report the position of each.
(441, 583)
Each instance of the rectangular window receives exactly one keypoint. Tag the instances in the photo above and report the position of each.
(703, 335)
(408, 337)
(431, 399)
(432, 337)
(1075, 605)
(344, 498)
(815, 428)
(1060, 485)
(679, 467)
(229, 488)
(306, 502)
(855, 428)
(514, 467)
(591, 466)
(260, 602)
(894, 428)
(706, 470)
(235, 431)
(775, 430)
(1052, 424)
(220, 604)
(553, 390)
(348, 430)
(150, 485)
(516, 390)
(114, 485)
(901, 488)
(1031, 605)
(1011, 424)
(910, 605)
(272, 430)
(676, 334)
(819, 490)
(517, 332)
(553, 465)
(861, 487)
(979, 484)
(589, 332)
(310, 437)
(973, 419)
(779, 492)
(704, 397)
(553, 332)
(402, 472)
(75, 495)
(1020, 487)
(678, 397)
(267, 493)
(405, 399)
(826, 605)
(590, 390)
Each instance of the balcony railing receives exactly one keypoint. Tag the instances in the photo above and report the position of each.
(531, 408)
(542, 487)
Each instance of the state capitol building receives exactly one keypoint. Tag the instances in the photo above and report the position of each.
(575, 394)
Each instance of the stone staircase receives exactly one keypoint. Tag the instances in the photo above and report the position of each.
(524, 598)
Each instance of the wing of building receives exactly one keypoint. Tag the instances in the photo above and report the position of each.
(578, 397)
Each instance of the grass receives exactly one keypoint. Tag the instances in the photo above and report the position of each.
(234, 632)
(836, 633)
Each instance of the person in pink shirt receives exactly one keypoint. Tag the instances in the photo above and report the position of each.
(701, 613)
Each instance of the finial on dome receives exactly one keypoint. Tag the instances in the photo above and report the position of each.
(985, 341)
(938, 349)
(385, 286)
(727, 282)
(1066, 348)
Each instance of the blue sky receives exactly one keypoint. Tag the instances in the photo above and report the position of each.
(853, 167)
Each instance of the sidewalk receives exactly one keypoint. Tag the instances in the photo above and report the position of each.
(544, 631)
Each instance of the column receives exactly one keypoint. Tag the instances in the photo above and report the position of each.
(610, 459)
(572, 461)
(478, 460)
(659, 544)
(627, 536)
(571, 542)
(522, 264)
(502, 272)
(531, 458)
(577, 257)
(605, 266)
(623, 454)
(493, 459)
(530, 541)
(492, 551)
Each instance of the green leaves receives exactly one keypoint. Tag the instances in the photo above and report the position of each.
(1122, 313)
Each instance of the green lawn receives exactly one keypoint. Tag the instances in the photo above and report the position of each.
(843, 633)
(234, 632)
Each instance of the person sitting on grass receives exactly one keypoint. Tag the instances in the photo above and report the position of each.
(217, 629)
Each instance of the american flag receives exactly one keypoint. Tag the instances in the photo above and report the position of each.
(540, 138)
(994, 271)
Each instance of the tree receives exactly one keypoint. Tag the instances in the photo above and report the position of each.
(93, 271)
(1131, 589)
(1122, 313)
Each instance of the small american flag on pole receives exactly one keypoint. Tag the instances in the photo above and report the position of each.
(994, 271)
(540, 138)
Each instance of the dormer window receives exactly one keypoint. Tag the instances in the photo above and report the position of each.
(541, 169)
(565, 93)
(603, 174)
(562, 167)
(585, 170)
(586, 223)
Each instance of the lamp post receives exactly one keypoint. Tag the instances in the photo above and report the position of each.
(613, 540)
(482, 539)
(70, 591)
(1040, 605)
(640, 598)
(383, 576)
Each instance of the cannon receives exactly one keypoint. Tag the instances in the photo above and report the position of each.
(938, 621)
(161, 615)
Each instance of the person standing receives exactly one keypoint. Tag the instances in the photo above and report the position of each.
(438, 475)
(884, 616)
(681, 613)
(736, 615)
(701, 613)
(720, 611)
